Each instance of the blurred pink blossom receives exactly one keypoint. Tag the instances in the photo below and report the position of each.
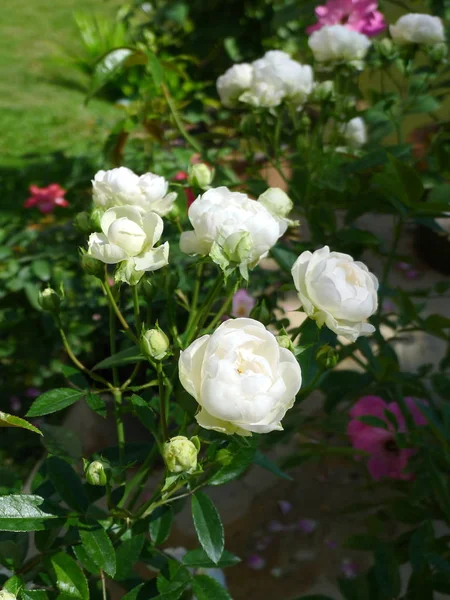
(285, 506)
(307, 525)
(386, 459)
(46, 199)
(190, 196)
(96, 317)
(32, 392)
(349, 568)
(242, 304)
(359, 15)
(15, 403)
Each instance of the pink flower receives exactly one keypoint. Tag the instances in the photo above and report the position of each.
(386, 459)
(307, 525)
(255, 561)
(32, 392)
(15, 403)
(46, 199)
(359, 15)
(242, 304)
(284, 506)
(190, 196)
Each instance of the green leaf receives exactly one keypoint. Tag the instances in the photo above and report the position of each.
(127, 555)
(409, 179)
(33, 595)
(134, 593)
(207, 588)
(13, 585)
(107, 68)
(438, 562)
(70, 579)
(41, 268)
(155, 67)
(53, 401)
(100, 549)
(125, 357)
(22, 513)
(160, 524)
(285, 258)
(145, 414)
(264, 462)
(67, 483)
(13, 421)
(386, 571)
(238, 465)
(208, 526)
(373, 421)
(61, 441)
(423, 104)
(199, 559)
(97, 404)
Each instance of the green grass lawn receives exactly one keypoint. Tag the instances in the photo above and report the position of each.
(38, 115)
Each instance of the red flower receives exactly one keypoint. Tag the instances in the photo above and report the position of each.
(46, 199)
(190, 196)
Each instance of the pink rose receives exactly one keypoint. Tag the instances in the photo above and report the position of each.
(46, 199)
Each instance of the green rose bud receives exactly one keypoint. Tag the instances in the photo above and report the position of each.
(224, 457)
(154, 344)
(83, 222)
(200, 175)
(387, 48)
(284, 341)
(438, 52)
(323, 91)
(180, 455)
(327, 357)
(277, 202)
(92, 266)
(96, 217)
(4, 595)
(49, 300)
(97, 472)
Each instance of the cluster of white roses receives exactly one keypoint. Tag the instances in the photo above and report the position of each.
(131, 223)
(266, 82)
(242, 379)
(417, 28)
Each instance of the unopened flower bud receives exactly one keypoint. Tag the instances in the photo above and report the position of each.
(92, 266)
(276, 201)
(154, 344)
(4, 595)
(438, 52)
(327, 357)
(200, 175)
(83, 222)
(285, 342)
(97, 472)
(180, 455)
(323, 91)
(224, 457)
(49, 300)
(387, 49)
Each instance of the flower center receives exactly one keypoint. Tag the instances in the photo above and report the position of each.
(391, 447)
(352, 274)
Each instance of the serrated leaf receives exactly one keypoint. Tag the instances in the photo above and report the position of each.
(97, 404)
(70, 579)
(160, 524)
(100, 549)
(208, 526)
(206, 588)
(67, 483)
(33, 595)
(127, 554)
(199, 559)
(107, 68)
(238, 465)
(53, 401)
(7, 420)
(125, 357)
(22, 513)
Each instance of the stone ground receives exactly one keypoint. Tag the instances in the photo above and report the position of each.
(293, 562)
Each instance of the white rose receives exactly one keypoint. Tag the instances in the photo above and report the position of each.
(233, 82)
(128, 238)
(336, 291)
(280, 205)
(415, 28)
(355, 132)
(242, 379)
(230, 227)
(277, 76)
(336, 43)
(444, 223)
(122, 187)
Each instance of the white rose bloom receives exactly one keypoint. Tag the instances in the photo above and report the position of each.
(280, 205)
(277, 76)
(230, 227)
(336, 291)
(122, 187)
(242, 379)
(337, 43)
(444, 223)
(129, 237)
(355, 132)
(233, 83)
(416, 28)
